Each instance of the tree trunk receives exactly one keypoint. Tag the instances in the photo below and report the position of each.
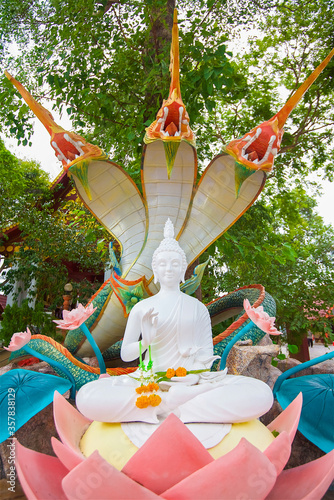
(303, 353)
(159, 42)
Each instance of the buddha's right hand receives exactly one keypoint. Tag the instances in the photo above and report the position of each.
(149, 327)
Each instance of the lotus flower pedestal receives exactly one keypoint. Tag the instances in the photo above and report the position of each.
(172, 464)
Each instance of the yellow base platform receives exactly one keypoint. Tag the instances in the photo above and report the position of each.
(116, 448)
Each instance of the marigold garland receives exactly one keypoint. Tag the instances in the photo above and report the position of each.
(170, 373)
(152, 386)
(181, 372)
(145, 401)
(154, 400)
(142, 402)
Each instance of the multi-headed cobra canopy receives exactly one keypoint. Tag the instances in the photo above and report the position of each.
(256, 150)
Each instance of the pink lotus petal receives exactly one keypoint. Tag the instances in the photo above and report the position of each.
(306, 482)
(19, 340)
(168, 456)
(260, 318)
(40, 475)
(96, 479)
(66, 455)
(273, 331)
(262, 324)
(288, 420)
(73, 319)
(70, 424)
(243, 473)
(279, 451)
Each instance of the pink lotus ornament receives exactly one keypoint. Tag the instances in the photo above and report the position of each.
(19, 340)
(74, 319)
(257, 317)
(172, 464)
(260, 318)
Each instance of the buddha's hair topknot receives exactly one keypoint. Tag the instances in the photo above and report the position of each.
(169, 244)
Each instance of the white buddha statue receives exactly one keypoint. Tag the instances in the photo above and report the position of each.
(176, 329)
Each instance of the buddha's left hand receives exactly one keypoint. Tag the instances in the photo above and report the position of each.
(212, 376)
(206, 362)
(189, 379)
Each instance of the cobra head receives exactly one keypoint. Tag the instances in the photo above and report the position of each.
(69, 147)
(257, 149)
(172, 122)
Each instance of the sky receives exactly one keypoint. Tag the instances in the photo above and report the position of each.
(42, 152)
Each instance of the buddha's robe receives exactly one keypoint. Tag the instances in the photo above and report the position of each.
(183, 339)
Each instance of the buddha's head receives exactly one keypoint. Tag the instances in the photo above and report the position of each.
(170, 254)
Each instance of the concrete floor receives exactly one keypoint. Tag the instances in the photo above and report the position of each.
(319, 349)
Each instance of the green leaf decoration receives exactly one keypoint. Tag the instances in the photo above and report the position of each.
(316, 420)
(190, 285)
(170, 153)
(24, 393)
(80, 170)
(114, 262)
(241, 174)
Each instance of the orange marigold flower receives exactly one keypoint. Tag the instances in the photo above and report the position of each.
(153, 386)
(181, 372)
(140, 389)
(170, 373)
(154, 399)
(142, 402)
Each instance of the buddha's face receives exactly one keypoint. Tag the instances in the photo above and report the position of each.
(169, 268)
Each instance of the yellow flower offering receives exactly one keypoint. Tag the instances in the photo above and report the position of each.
(154, 399)
(181, 372)
(170, 373)
(152, 386)
(142, 402)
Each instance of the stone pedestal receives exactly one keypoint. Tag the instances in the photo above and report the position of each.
(254, 361)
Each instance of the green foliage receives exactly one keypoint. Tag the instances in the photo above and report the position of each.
(283, 244)
(106, 64)
(50, 240)
(293, 349)
(18, 318)
(22, 182)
